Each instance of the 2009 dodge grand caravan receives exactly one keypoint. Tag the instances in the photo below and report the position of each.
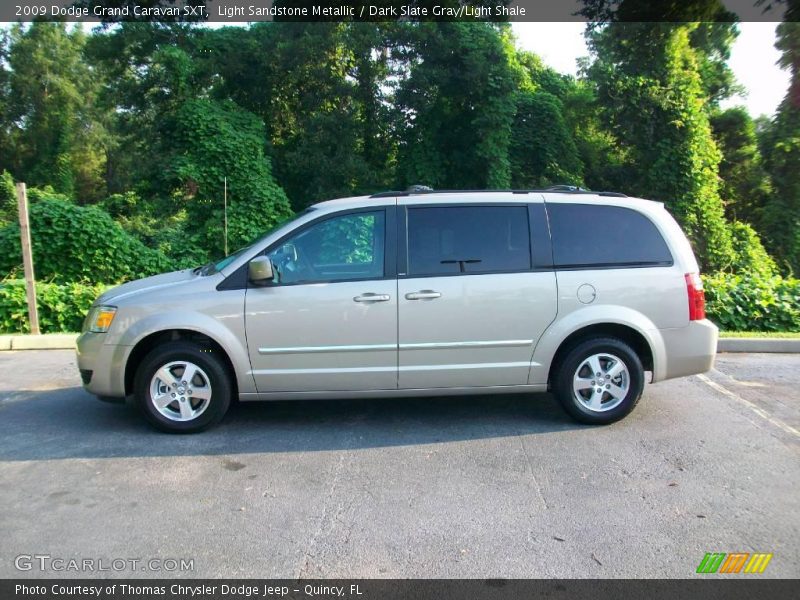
(412, 294)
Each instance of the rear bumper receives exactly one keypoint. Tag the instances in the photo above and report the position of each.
(101, 365)
(688, 350)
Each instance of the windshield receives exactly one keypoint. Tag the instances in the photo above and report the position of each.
(217, 266)
(221, 264)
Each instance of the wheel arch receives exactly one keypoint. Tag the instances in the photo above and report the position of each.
(151, 341)
(624, 333)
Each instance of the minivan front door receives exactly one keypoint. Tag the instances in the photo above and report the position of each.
(471, 307)
(328, 322)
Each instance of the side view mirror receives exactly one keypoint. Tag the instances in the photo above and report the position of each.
(260, 270)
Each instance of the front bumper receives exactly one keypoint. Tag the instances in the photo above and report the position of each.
(689, 350)
(102, 365)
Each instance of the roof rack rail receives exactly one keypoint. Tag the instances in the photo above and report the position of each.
(389, 194)
(574, 189)
(556, 189)
(561, 187)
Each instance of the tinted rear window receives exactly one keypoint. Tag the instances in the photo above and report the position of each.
(468, 239)
(587, 235)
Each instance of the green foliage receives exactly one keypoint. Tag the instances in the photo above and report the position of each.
(62, 307)
(781, 146)
(745, 185)
(35, 194)
(653, 100)
(542, 149)
(55, 137)
(8, 198)
(750, 257)
(212, 141)
(141, 83)
(322, 91)
(713, 42)
(606, 163)
(145, 119)
(753, 303)
(457, 105)
(72, 243)
(5, 96)
(170, 234)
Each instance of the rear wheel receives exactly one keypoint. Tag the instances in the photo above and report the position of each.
(599, 381)
(183, 387)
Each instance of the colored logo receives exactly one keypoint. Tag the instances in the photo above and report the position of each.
(736, 562)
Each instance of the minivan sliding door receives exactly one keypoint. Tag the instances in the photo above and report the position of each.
(471, 303)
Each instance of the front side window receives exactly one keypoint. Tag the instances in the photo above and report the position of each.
(468, 239)
(590, 235)
(345, 248)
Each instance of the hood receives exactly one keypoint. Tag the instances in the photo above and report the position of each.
(148, 284)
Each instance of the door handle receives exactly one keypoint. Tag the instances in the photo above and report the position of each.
(370, 297)
(423, 295)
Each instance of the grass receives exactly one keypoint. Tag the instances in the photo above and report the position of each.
(761, 334)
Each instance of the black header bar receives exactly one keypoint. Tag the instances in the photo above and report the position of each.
(705, 587)
(237, 11)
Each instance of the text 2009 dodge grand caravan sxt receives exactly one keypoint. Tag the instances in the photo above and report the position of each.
(412, 294)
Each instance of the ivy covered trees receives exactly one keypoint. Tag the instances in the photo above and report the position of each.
(651, 92)
(51, 131)
(147, 120)
(214, 141)
(457, 106)
(781, 145)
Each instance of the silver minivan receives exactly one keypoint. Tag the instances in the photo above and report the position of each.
(415, 293)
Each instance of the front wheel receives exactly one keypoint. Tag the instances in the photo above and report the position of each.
(599, 381)
(182, 387)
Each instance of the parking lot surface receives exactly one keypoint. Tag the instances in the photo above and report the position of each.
(502, 486)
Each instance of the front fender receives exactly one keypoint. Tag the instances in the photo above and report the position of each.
(230, 336)
(566, 325)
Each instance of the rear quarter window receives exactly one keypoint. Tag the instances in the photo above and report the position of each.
(592, 236)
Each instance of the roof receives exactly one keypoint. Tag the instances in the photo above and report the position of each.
(556, 194)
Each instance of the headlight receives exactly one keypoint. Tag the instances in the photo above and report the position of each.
(100, 318)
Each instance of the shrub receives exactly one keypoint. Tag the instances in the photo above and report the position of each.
(173, 235)
(61, 307)
(8, 198)
(753, 303)
(750, 257)
(73, 243)
(36, 194)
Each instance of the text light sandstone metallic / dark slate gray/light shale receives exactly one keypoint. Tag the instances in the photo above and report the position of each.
(417, 293)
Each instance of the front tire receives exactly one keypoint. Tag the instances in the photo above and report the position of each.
(599, 381)
(183, 387)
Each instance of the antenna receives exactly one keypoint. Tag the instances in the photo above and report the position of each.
(225, 214)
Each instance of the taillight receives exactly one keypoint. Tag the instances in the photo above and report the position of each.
(697, 298)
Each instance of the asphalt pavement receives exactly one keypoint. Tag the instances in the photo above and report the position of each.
(501, 486)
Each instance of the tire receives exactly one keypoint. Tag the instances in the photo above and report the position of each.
(171, 406)
(605, 399)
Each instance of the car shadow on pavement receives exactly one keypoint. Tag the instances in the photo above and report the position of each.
(69, 423)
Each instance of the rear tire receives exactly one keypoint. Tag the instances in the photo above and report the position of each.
(599, 381)
(183, 387)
